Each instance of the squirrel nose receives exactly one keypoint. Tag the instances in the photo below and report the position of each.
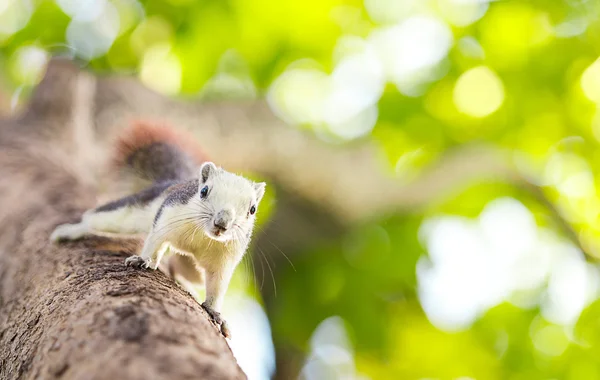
(223, 219)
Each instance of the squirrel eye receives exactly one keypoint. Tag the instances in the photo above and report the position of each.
(204, 192)
(252, 210)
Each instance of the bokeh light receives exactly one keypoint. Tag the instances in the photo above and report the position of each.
(425, 39)
(14, 15)
(161, 70)
(474, 266)
(463, 12)
(93, 29)
(29, 63)
(590, 82)
(478, 92)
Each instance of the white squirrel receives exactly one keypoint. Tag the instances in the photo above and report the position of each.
(201, 212)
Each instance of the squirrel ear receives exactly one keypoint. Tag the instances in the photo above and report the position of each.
(206, 170)
(260, 190)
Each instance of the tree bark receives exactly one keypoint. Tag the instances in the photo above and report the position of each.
(75, 311)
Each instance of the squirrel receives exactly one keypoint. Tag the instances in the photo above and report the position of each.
(201, 212)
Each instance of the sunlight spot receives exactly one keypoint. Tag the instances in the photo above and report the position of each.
(462, 12)
(354, 125)
(390, 11)
(571, 27)
(504, 219)
(130, 13)
(590, 81)
(550, 340)
(298, 94)
(92, 34)
(410, 50)
(357, 83)
(447, 283)
(14, 15)
(570, 174)
(154, 30)
(331, 354)
(502, 256)
(29, 63)
(350, 108)
(161, 70)
(82, 10)
(342, 105)
(478, 92)
(571, 288)
(578, 185)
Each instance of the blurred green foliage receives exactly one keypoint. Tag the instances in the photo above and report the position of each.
(533, 89)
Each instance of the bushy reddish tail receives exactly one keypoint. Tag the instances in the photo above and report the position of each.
(157, 153)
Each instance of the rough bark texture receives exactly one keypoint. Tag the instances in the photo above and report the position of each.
(75, 311)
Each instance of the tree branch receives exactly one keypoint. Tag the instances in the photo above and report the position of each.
(75, 311)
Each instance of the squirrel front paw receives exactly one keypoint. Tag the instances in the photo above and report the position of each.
(215, 317)
(137, 262)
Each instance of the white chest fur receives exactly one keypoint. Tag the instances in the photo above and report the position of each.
(185, 233)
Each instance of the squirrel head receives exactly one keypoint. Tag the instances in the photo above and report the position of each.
(228, 203)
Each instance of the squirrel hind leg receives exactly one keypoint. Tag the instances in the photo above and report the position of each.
(69, 232)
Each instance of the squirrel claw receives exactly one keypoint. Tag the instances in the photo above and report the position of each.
(137, 262)
(215, 318)
(225, 330)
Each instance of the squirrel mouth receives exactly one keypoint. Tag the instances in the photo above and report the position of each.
(217, 233)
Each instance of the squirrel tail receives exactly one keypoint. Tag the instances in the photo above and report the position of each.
(156, 153)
